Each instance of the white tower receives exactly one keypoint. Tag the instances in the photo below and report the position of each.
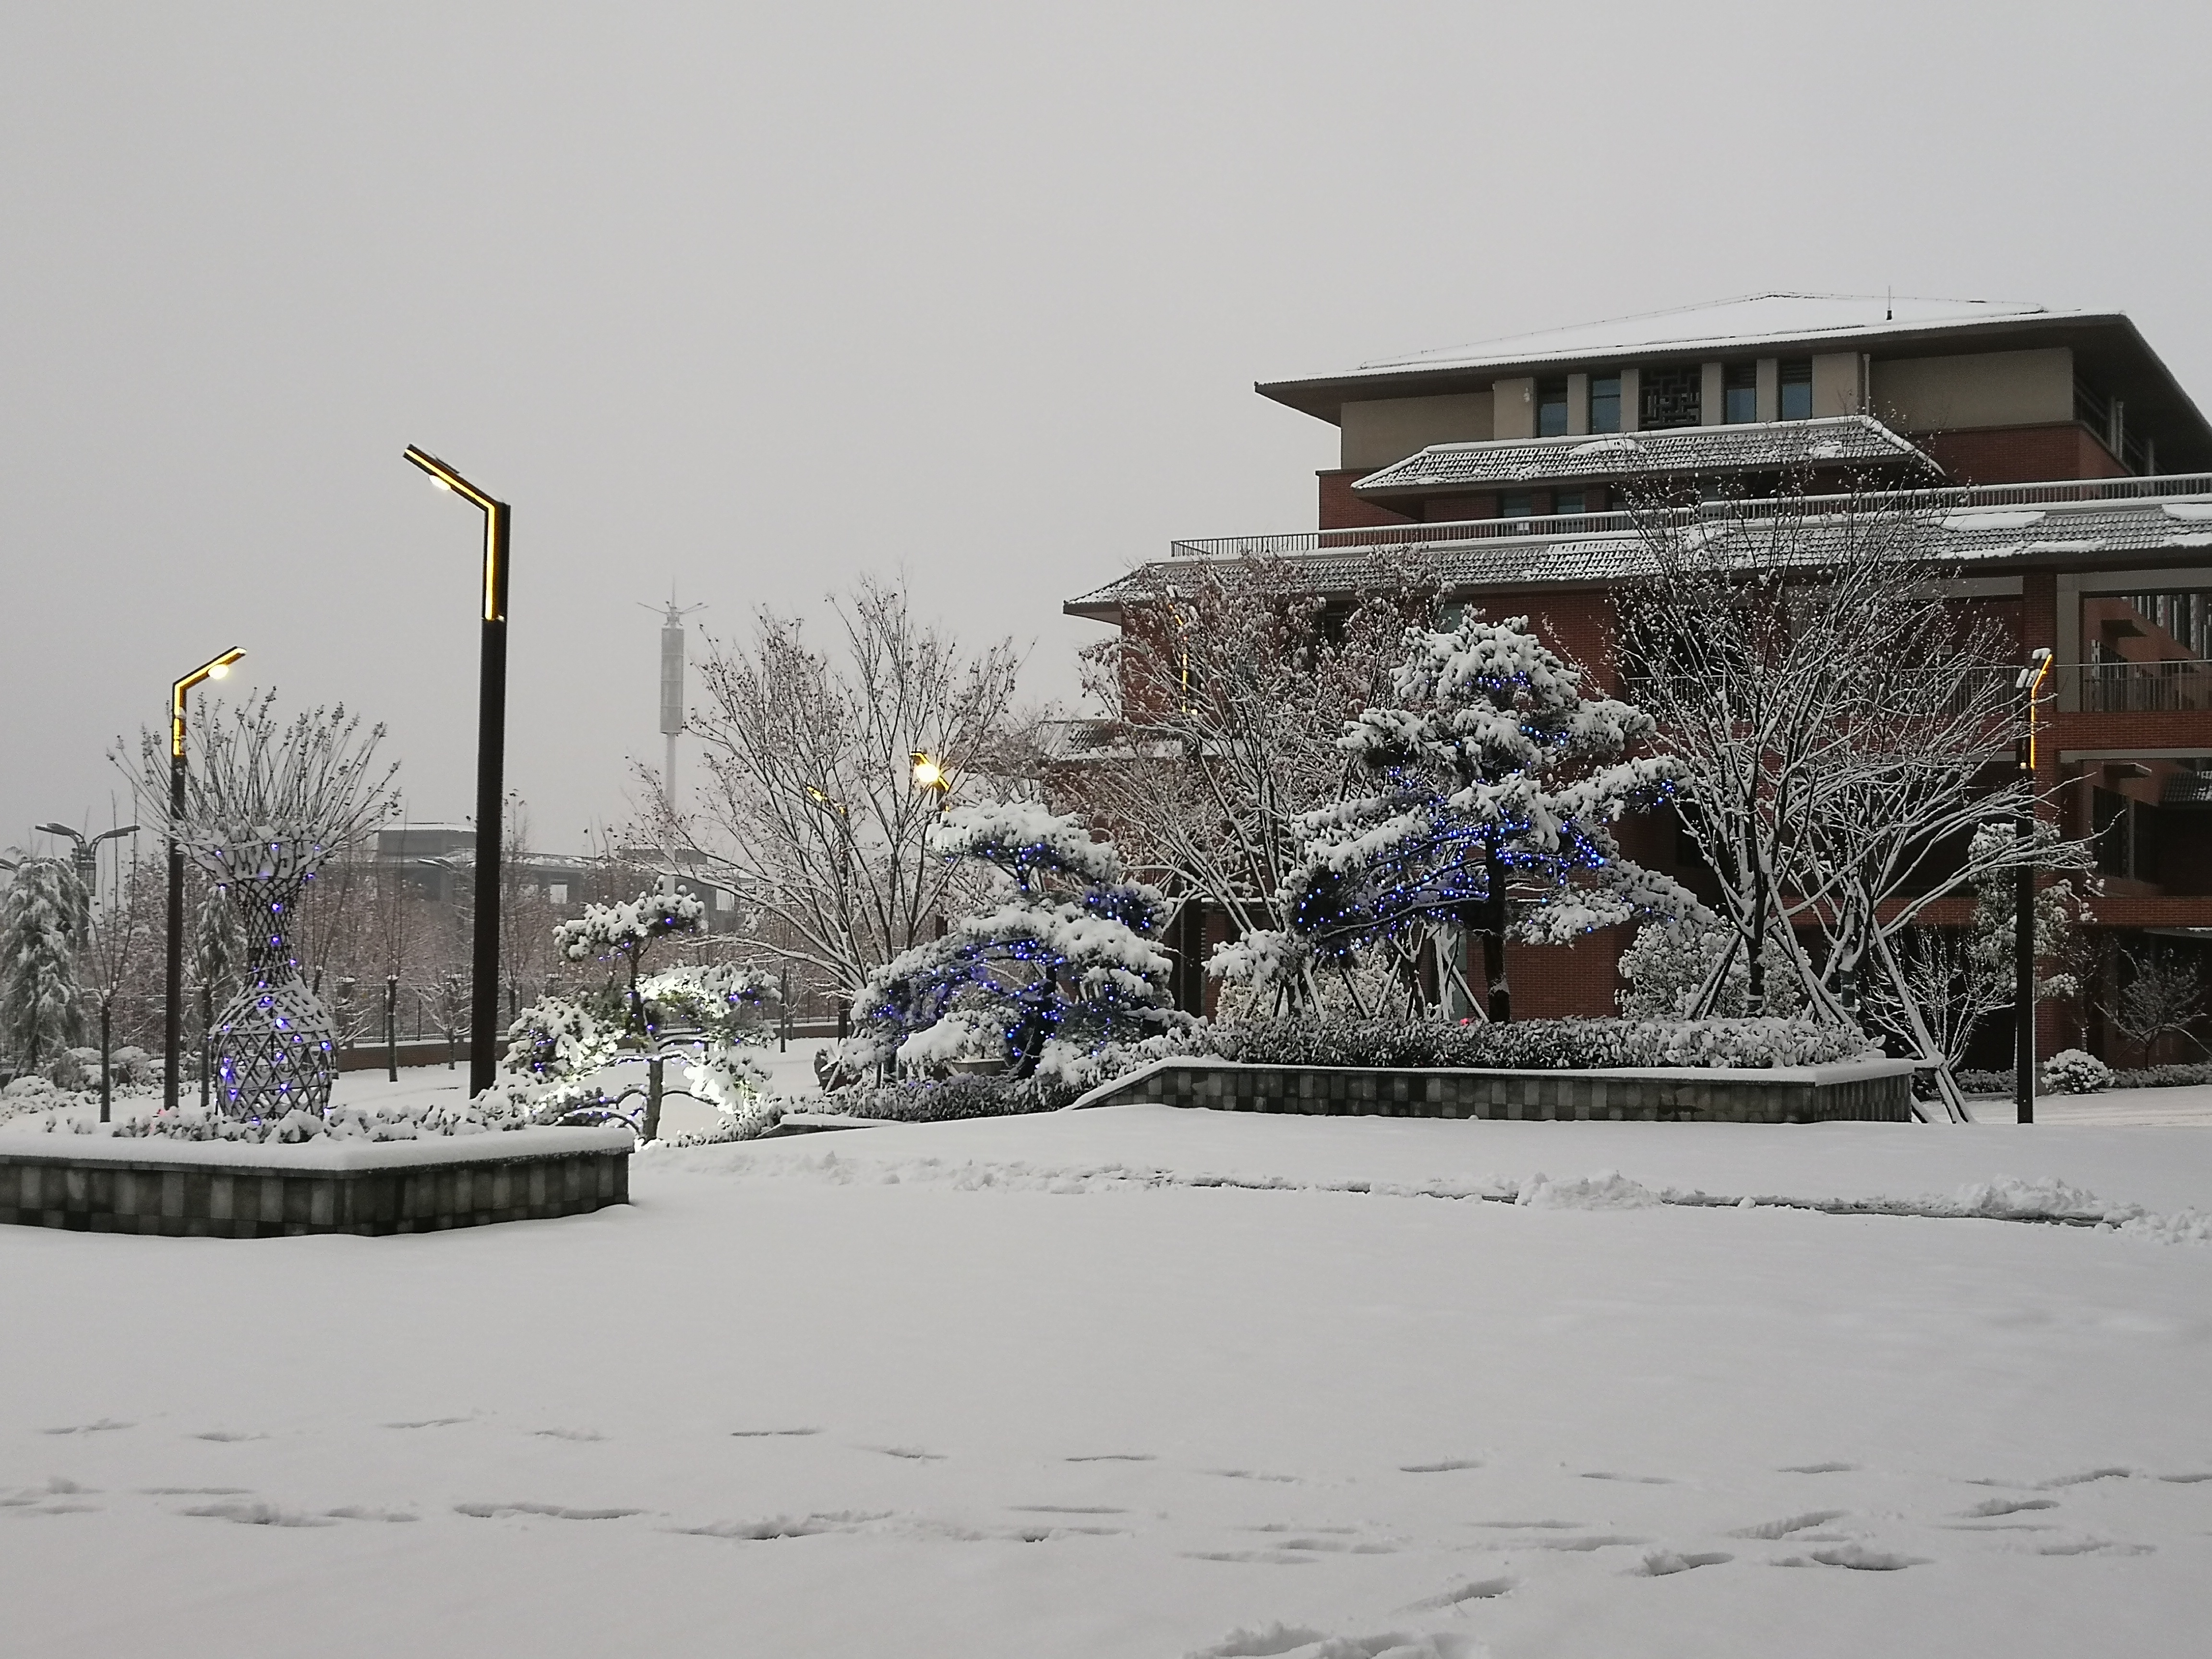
(672, 687)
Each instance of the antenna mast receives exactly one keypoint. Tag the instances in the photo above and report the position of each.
(672, 687)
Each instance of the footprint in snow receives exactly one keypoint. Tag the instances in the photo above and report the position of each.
(1530, 1526)
(1818, 1468)
(1595, 1542)
(104, 1425)
(227, 1437)
(1065, 1508)
(429, 1422)
(2111, 1473)
(2094, 1546)
(1445, 1467)
(1633, 1480)
(195, 1491)
(1857, 1557)
(1264, 1557)
(770, 1434)
(1251, 1474)
(1788, 1524)
(1663, 1563)
(1280, 1638)
(51, 1499)
(556, 1511)
(1485, 1589)
(356, 1512)
(1996, 1506)
(1114, 1457)
(2185, 1480)
(784, 1526)
(255, 1512)
(912, 1454)
(568, 1434)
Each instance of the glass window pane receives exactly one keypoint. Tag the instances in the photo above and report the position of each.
(1605, 404)
(1551, 409)
(1797, 389)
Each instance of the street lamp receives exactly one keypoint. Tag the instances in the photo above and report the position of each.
(174, 1053)
(491, 765)
(930, 775)
(85, 855)
(2030, 682)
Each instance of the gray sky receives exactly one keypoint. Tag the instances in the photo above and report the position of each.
(754, 299)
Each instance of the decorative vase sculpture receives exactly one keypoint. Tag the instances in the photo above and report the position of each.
(266, 806)
(275, 1047)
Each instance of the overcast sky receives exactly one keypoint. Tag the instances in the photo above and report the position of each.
(753, 299)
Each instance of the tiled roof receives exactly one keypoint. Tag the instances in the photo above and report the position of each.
(1585, 554)
(1679, 451)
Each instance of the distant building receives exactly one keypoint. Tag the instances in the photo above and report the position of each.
(2072, 473)
(437, 862)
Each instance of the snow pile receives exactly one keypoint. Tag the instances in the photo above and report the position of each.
(1608, 1189)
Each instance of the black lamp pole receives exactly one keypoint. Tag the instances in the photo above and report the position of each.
(2023, 935)
(491, 767)
(173, 1055)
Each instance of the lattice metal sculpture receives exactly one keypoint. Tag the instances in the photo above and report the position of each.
(266, 806)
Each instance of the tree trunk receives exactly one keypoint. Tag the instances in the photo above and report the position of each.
(107, 1075)
(392, 1027)
(1493, 934)
(651, 1130)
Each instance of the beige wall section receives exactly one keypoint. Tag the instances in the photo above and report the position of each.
(1514, 404)
(1769, 397)
(1839, 384)
(1390, 428)
(1710, 405)
(1989, 388)
(1578, 405)
(1631, 399)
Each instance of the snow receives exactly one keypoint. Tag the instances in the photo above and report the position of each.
(1142, 1382)
(1978, 518)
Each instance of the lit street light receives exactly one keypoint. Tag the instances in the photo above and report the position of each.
(491, 762)
(174, 1052)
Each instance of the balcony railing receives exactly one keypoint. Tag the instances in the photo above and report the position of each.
(1953, 499)
(2138, 688)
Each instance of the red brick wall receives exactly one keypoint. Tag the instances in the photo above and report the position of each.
(2020, 454)
(1555, 981)
(1342, 510)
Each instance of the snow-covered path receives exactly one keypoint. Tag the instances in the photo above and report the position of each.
(1027, 1387)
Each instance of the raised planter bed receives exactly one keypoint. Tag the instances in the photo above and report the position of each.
(1857, 1091)
(228, 1189)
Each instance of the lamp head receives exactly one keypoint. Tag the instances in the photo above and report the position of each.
(928, 772)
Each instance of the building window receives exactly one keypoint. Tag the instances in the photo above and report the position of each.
(1516, 504)
(1605, 403)
(1797, 389)
(556, 892)
(1739, 394)
(1672, 396)
(1569, 501)
(1550, 408)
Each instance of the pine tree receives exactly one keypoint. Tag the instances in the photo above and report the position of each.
(1495, 781)
(1064, 968)
(41, 1011)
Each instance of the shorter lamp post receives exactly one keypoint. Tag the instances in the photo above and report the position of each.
(174, 1055)
(929, 774)
(2023, 937)
(85, 855)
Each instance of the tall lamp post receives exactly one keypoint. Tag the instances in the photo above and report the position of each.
(491, 766)
(2023, 933)
(929, 775)
(174, 1055)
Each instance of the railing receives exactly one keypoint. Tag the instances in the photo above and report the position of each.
(1951, 499)
(2139, 688)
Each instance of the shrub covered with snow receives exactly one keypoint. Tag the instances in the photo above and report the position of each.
(949, 1099)
(397, 1122)
(2075, 1072)
(1541, 1044)
(1065, 967)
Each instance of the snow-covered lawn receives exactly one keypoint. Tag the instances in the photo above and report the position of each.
(1043, 1387)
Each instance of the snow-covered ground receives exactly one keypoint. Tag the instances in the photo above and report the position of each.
(1138, 1381)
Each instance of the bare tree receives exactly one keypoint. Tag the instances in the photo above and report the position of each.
(809, 805)
(120, 920)
(1225, 694)
(2161, 994)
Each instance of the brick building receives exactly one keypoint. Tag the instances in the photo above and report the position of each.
(2057, 463)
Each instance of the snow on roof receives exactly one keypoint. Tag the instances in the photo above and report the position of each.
(1605, 548)
(1839, 440)
(1734, 325)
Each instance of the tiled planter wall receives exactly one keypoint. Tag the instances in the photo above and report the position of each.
(204, 1200)
(1863, 1093)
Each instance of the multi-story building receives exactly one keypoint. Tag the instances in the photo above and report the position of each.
(2057, 462)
